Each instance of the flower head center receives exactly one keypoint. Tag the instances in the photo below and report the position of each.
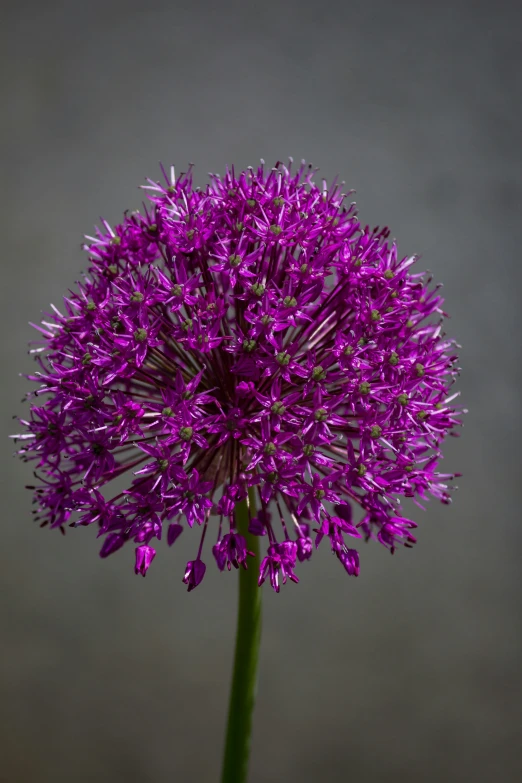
(249, 345)
(283, 358)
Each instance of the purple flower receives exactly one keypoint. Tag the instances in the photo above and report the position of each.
(247, 338)
(304, 543)
(174, 532)
(350, 560)
(280, 560)
(144, 557)
(258, 525)
(188, 494)
(194, 573)
(334, 528)
(112, 543)
(230, 551)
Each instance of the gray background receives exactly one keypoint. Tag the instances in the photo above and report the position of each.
(411, 672)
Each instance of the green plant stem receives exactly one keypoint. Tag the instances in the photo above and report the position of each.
(244, 675)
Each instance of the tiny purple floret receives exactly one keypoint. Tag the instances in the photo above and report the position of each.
(194, 573)
(144, 557)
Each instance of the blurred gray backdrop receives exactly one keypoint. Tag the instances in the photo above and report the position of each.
(411, 672)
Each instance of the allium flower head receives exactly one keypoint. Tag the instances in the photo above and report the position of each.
(248, 339)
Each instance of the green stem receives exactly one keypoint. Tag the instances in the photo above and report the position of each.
(244, 675)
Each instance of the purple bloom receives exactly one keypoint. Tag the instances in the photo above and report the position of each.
(258, 525)
(280, 560)
(112, 543)
(144, 557)
(188, 494)
(230, 551)
(194, 573)
(174, 532)
(248, 337)
(350, 560)
(304, 543)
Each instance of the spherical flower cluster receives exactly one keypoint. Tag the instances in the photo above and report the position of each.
(249, 340)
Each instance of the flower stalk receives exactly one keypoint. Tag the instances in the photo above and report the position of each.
(246, 655)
